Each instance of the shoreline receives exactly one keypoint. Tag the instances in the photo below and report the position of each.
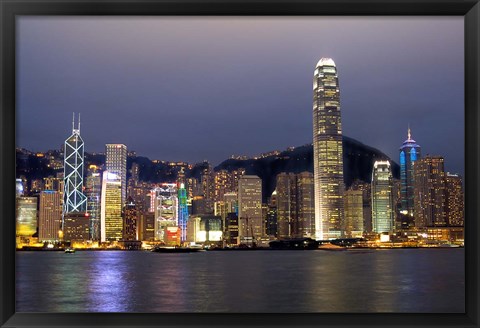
(39, 249)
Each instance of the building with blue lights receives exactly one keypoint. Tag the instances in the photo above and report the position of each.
(410, 152)
(182, 212)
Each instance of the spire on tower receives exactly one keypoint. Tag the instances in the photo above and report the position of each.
(409, 132)
(73, 122)
(78, 122)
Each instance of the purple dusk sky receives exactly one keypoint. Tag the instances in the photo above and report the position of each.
(195, 88)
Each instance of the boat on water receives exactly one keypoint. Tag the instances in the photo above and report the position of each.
(294, 244)
(332, 247)
(176, 250)
(69, 250)
(448, 245)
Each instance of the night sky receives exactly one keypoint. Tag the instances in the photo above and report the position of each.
(189, 89)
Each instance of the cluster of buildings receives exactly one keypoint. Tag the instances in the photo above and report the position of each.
(98, 205)
(426, 201)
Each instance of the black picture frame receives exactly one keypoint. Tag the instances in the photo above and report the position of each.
(9, 9)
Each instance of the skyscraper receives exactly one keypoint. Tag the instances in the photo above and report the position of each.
(410, 152)
(354, 213)
(327, 151)
(208, 187)
(74, 199)
(165, 207)
(455, 203)
(231, 229)
(111, 208)
(182, 212)
(26, 216)
(366, 189)
(93, 191)
(50, 216)
(226, 182)
(229, 204)
(116, 163)
(271, 226)
(250, 209)
(382, 197)
(305, 205)
(430, 197)
(287, 216)
(295, 205)
(130, 222)
(221, 184)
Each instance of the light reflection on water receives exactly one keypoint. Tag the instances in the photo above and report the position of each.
(261, 281)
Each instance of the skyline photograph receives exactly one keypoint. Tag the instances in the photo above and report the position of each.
(240, 164)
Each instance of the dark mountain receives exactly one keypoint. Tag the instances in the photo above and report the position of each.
(358, 162)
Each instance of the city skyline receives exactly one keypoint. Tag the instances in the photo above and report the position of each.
(425, 94)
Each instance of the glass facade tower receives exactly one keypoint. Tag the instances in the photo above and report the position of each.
(382, 197)
(327, 152)
(74, 199)
(116, 162)
(165, 207)
(182, 211)
(111, 208)
(93, 191)
(410, 152)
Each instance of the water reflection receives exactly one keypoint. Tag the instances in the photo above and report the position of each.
(262, 281)
(109, 280)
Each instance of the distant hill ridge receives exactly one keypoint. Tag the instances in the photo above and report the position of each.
(358, 160)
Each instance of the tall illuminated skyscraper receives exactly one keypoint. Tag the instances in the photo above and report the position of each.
(410, 152)
(250, 209)
(455, 203)
(354, 213)
(131, 220)
(93, 191)
(327, 151)
(382, 197)
(111, 208)
(366, 189)
(430, 193)
(74, 199)
(182, 212)
(305, 205)
(116, 162)
(165, 206)
(50, 216)
(294, 204)
(287, 214)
